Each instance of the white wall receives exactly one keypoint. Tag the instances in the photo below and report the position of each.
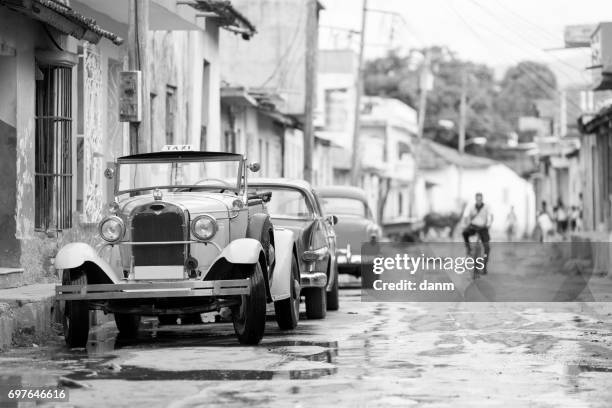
(500, 186)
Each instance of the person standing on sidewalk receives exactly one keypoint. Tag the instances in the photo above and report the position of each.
(511, 221)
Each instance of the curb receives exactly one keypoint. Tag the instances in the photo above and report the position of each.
(26, 314)
(29, 313)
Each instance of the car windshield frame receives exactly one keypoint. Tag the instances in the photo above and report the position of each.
(275, 187)
(170, 159)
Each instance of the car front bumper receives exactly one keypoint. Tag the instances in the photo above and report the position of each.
(140, 290)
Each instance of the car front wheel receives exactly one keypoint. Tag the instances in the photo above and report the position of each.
(287, 311)
(250, 317)
(76, 312)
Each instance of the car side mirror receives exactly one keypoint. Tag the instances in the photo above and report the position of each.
(333, 220)
(109, 173)
(254, 167)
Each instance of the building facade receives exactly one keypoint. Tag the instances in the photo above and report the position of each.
(59, 115)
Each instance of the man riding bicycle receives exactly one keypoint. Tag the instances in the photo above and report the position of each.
(478, 221)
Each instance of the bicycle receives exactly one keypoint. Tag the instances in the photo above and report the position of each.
(476, 252)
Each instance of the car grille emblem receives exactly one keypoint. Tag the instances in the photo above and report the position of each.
(157, 194)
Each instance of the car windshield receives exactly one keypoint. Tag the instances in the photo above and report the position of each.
(287, 203)
(344, 206)
(148, 175)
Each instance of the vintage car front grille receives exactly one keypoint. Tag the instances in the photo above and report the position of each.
(159, 222)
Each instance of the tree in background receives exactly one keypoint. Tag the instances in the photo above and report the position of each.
(521, 86)
(493, 107)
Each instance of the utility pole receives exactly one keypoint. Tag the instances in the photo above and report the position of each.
(463, 111)
(312, 49)
(355, 159)
(424, 85)
(138, 30)
(462, 125)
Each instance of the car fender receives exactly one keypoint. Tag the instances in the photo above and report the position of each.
(242, 251)
(76, 254)
(284, 246)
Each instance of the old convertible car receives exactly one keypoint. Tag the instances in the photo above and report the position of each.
(296, 206)
(356, 225)
(180, 241)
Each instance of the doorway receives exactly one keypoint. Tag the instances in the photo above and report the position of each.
(10, 250)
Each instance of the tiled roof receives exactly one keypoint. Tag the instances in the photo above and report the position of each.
(435, 155)
(87, 24)
(230, 18)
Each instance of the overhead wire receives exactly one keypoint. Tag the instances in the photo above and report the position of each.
(518, 32)
(536, 78)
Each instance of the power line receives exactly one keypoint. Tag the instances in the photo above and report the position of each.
(534, 76)
(518, 32)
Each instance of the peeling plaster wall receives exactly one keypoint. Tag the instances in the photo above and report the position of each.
(177, 59)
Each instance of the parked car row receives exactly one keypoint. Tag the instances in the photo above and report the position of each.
(182, 239)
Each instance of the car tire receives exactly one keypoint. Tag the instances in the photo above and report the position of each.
(167, 320)
(287, 311)
(127, 324)
(316, 303)
(76, 312)
(249, 317)
(332, 296)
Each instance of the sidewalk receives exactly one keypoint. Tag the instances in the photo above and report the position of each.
(26, 314)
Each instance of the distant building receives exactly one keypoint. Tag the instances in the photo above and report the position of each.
(251, 124)
(452, 180)
(274, 63)
(388, 129)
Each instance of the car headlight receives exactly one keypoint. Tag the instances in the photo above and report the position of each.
(373, 232)
(111, 229)
(204, 227)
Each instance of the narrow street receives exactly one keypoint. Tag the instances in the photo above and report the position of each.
(366, 354)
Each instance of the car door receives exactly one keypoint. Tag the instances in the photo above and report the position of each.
(327, 228)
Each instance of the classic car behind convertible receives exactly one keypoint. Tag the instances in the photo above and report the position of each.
(295, 205)
(355, 227)
(180, 241)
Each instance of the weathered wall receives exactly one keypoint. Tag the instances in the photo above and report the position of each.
(275, 57)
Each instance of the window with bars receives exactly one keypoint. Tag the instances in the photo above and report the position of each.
(53, 149)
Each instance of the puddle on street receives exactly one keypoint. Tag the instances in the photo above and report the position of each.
(297, 359)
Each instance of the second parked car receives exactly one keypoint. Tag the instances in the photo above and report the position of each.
(357, 224)
(296, 206)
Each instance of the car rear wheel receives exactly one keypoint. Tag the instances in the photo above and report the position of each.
(127, 324)
(316, 303)
(287, 311)
(76, 312)
(250, 317)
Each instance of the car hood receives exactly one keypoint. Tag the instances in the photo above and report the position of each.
(193, 202)
(352, 230)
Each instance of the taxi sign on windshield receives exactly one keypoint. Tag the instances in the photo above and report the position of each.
(177, 148)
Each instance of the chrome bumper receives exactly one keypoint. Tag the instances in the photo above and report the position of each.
(153, 290)
(343, 259)
(313, 280)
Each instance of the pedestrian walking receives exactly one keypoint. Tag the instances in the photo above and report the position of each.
(545, 223)
(511, 221)
(561, 218)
